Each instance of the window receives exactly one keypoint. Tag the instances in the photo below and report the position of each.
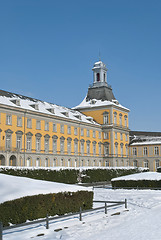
(37, 162)
(106, 135)
(100, 149)
(54, 145)
(88, 148)
(29, 123)
(126, 146)
(121, 137)
(94, 148)
(19, 121)
(82, 163)
(75, 146)
(75, 131)
(105, 118)
(115, 118)
(62, 162)
(120, 119)
(62, 128)
(54, 127)
(46, 126)
(38, 124)
(46, 162)
(82, 147)
(99, 135)
(54, 162)
(115, 135)
(82, 132)
(98, 77)
(87, 132)
(68, 162)
(94, 133)
(121, 145)
(46, 144)
(146, 164)
(8, 141)
(69, 130)
(134, 151)
(69, 145)
(156, 150)
(106, 149)
(156, 164)
(8, 119)
(62, 145)
(38, 145)
(126, 138)
(116, 149)
(75, 163)
(19, 142)
(28, 162)
(145, 151)
(88, 163)
(28, 143)
(125, 118)
(107, 164)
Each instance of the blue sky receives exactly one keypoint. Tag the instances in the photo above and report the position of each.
(48, 48)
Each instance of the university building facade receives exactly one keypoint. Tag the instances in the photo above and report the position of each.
(94, 133)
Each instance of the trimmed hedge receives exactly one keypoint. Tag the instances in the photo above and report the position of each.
(38, 206)
(63, 175)
(71, 176)
(103, 175)
(136, 184)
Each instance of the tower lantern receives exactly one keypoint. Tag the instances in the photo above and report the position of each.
(99, 74)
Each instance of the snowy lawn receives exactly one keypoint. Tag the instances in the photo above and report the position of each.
(12, 187)
(141, 222)
(140, 176)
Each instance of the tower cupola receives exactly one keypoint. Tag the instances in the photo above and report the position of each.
(99, 74)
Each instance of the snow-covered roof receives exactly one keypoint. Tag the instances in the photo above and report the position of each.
(35, 105)
(145, 141)
(98, 103)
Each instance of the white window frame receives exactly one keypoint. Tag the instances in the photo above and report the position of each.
(29, 123)
(54, 127)
(38, 124)
(46, 126)
(8, 119)
(19, 121)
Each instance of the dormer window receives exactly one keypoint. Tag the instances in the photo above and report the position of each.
(16, 101)
(35, 106)
(51, 110)
(98, 77)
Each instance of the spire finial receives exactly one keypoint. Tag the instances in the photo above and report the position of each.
(99, 55)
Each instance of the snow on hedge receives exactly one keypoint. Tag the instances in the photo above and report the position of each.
(12, 187)
(140, 176)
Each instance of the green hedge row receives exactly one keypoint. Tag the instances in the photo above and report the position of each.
(136, 184)
(38, 206)
(71, 176)
(102, 175)
(63, 175)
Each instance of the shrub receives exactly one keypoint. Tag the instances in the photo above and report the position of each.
(151, 184)
(38, 206)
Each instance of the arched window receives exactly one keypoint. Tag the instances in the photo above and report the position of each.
(135, 163)
(98, 77)
(104, 77)
(37, 162)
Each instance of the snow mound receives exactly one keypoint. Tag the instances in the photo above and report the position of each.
(140, 176)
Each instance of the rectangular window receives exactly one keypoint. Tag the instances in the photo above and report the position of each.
(99, 134)
(94, 133)
(54, 145)
(87, 132)
(115, 118)
(75, 131)
(8, 141)
(94, 149)
(116, 149)
(29, 123)
(121, 136)
(38, 124)
(105, 119)
(145, 151)
(19, 121)
(19, 142)
(100, 149)
(121, 150)
(46, 144)
(38, 146)
(156, 150)
(126, 137)
(46, 126)
(115, 135)
(82, 132)
(62, 128)
(69, 147)
(75, 147)
(28, 143)
(120, 119)
(54, 127)
(106, 135)
(106, 150)
(69, 130)
(61, 146)
(125, 121)
(134, 151)
(88, 148)
(82, 147)
(8, 119)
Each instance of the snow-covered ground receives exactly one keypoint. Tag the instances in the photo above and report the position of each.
(140, 176)
(12, 187)
(140, 222)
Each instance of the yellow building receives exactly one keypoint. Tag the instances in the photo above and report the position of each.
(37, 133)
